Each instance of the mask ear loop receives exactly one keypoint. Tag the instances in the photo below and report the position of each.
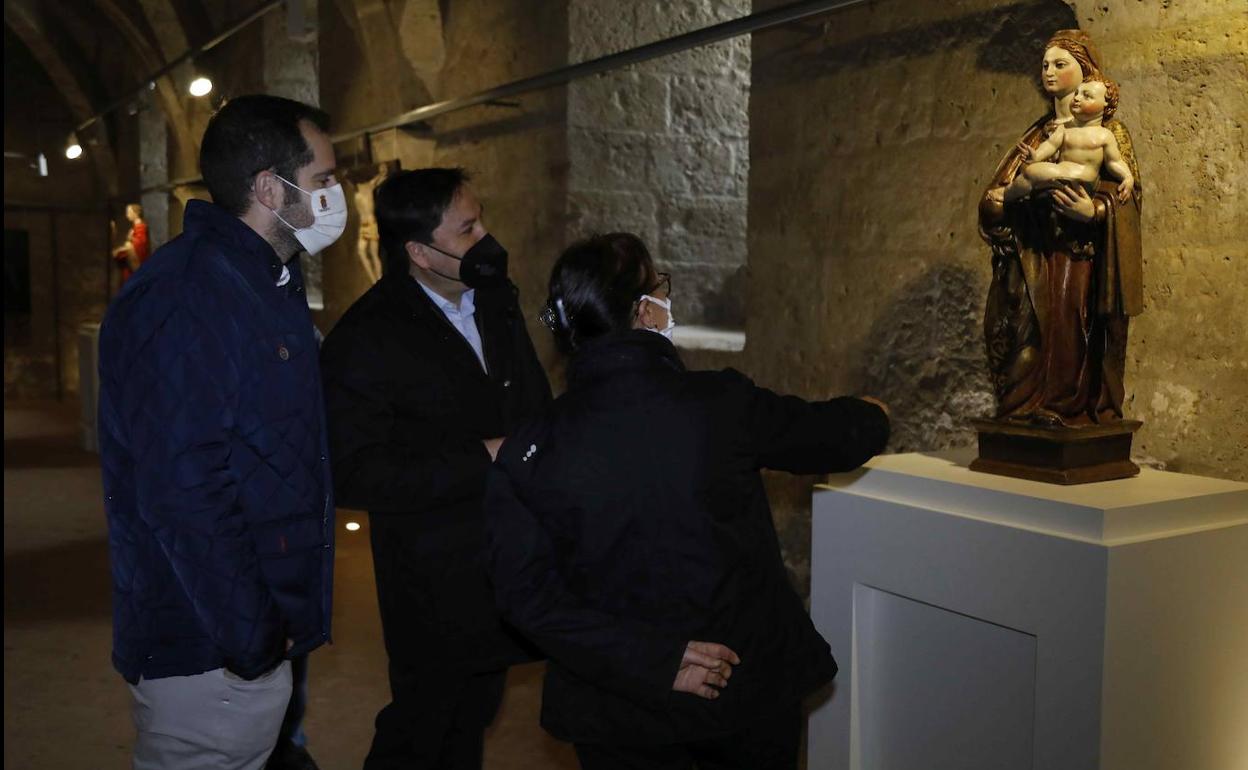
(666, 304)
(282, 179)
(443, 253)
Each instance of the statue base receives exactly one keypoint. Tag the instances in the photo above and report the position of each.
(1056, 454)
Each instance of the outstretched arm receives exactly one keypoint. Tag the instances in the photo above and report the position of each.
(1049, 147)
(790, 434)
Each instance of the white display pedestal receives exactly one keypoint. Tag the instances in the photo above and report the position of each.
(986, 622)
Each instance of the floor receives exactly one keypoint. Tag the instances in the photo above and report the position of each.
(64, 706)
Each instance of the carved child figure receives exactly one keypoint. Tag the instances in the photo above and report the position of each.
(1078, 149)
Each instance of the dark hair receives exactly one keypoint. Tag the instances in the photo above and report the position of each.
(409, 206)
(594, 287)
(248, 135)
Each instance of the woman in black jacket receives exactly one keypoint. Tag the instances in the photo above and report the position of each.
(631, 519)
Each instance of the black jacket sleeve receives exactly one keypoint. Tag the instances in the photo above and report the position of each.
(786, 433)
(628, 657)
(376, 470)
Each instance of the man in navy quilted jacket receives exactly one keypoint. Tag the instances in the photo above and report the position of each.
(213, 447)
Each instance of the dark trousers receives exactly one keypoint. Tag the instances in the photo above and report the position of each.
(434, 721)
(438, 711)
(770, 743)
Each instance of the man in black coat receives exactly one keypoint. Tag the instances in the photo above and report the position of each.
(424, 377)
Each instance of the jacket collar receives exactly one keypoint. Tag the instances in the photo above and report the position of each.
(467, 301)
(625, 351)
(204, 218)
(402, 290)
(406, 291)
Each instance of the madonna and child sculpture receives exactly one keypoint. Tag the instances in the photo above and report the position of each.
(1062, 218)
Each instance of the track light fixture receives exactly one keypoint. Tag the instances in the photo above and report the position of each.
(200, 86)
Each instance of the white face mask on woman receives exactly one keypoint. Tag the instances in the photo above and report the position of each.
(329, 217)
(666, 304)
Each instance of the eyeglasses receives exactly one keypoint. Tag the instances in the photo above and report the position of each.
(664, 283)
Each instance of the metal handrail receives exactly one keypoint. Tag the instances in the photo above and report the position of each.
(699, 37)
(191, 53)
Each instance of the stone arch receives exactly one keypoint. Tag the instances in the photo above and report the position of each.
(132, 25)
(420, 37)
(66, 67)
(391, 39)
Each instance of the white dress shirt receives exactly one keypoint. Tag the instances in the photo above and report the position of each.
(462, 317)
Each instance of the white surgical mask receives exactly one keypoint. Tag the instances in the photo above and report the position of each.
(666, 304)
(329, 218)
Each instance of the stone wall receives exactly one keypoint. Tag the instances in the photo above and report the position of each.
(516, 152)
(661, 148)
(291, 65)
(69, 272)
(1183, 70)
(153, 130)
(154, 172)
(873, 133)
(66, 225)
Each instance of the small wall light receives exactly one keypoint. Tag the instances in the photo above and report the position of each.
(200, 86)
(352, 526)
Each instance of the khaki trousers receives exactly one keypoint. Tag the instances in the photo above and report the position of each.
(209, 721)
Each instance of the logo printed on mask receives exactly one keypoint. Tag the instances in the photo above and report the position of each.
(329, 221)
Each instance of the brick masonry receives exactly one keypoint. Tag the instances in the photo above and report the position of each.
(661, 149)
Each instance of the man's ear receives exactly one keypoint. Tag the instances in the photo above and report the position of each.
(268, 190)
(416, 255)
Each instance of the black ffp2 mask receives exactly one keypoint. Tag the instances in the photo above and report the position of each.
(482, 266)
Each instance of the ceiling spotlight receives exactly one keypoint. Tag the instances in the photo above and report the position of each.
(73, 151)
(200, 86)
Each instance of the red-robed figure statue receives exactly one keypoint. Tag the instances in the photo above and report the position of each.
(136, 248)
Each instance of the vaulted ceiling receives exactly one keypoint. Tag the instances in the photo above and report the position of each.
(97, 55)
(96, 52)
